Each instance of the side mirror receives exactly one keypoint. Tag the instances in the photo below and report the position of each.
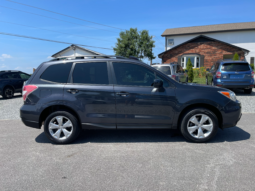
(158, 83)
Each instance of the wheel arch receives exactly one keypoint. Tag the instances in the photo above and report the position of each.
(50, 109)
(204, 105)
(8, 85)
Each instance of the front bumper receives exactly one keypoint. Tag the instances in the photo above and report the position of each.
(231, 114)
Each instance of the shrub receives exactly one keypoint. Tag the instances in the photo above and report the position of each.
(196, 72)
(190, 70)
(252, 66)
(236, 56)
(202, 72)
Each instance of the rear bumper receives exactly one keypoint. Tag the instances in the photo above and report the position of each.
(235, 86)
(232, 114)
(29, 117)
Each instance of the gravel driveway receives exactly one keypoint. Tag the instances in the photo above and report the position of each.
(9, 109)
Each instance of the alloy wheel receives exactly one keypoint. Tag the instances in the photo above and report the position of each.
(200, 126)
(60, 127)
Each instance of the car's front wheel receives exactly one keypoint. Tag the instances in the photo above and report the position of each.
(199, 125)
(248, 91)
(61, 127)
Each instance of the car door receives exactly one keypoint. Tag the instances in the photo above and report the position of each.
(138, 103)
(16, 81)
(90, 93)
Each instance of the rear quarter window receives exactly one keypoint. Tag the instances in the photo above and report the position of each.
(164, 69)
(230, 67)
(57, 73)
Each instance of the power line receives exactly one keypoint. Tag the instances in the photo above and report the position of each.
(30, 37)
(55, 19)
(64, 15)
(53, 31)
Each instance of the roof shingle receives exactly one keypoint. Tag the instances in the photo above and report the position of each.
(210, 28)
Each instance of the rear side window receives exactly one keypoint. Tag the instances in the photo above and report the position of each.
(230, 67)
(164, 69)
(11, 76)
(57, 73)
(90, 73)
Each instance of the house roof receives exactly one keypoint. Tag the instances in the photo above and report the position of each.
(199, 38)
(210, 28)
(73, 45)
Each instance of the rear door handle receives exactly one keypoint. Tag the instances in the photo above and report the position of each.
(72, 91)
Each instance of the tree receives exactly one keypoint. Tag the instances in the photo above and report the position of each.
(134, 43)
(236, 56)
(190, 70)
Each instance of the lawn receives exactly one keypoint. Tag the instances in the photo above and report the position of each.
(199, 80)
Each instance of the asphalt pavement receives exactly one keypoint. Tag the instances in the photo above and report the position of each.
(127, 160)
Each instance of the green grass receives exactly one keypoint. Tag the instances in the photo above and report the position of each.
(199, 80)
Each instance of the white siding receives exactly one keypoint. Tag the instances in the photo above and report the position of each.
(243, 39)
(78, 52)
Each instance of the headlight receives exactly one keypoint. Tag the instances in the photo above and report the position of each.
(231, 95)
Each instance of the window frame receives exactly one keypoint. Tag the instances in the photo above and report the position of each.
(184, 60)
(155, 71)
(70, 79)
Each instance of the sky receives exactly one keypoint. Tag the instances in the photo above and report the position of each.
(155, 16)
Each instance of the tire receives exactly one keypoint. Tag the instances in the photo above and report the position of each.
(66, 134)
(196, 135)
(8, 92)
(248, 91)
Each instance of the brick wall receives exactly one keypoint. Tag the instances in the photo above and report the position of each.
(211, 50)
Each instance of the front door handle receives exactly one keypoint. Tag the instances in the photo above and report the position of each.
(73, 91)
(122, 93)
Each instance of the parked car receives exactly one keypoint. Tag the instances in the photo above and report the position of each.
(121, 93)
(231, 74)
(173, 70)
(11, 81)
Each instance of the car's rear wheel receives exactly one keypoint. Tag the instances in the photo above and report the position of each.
(199, 125)
(61, 127)
(248, 91)
(8, 93)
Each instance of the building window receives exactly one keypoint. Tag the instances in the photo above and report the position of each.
(195, 60)
(170, 42)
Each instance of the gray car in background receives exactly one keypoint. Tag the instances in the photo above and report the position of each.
(173, 70)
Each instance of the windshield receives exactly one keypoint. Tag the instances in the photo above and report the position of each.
(164, 69)
(235, 67)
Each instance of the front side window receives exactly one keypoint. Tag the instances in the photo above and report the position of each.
(90, 73)
(57, 73)
(164, 69)
(133, 75)
(24, 76)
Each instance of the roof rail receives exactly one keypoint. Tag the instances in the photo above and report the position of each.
(92, 57)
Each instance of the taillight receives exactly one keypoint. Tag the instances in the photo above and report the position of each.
(252, 74)
(173, 76)
(28, 89)
(218, 75)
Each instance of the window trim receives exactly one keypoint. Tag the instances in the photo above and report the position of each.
(195, 60)
(155, 71)
(70, 78)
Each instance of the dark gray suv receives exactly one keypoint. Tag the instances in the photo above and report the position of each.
(109, 92)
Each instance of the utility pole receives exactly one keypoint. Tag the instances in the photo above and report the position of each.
(151, 49)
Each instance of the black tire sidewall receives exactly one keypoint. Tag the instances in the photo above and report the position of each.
(193, 112)
(76, 127)
(248, 91)
(4, 96)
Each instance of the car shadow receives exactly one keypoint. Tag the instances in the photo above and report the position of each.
(14, 97)
(239, 92)
(153, 136)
